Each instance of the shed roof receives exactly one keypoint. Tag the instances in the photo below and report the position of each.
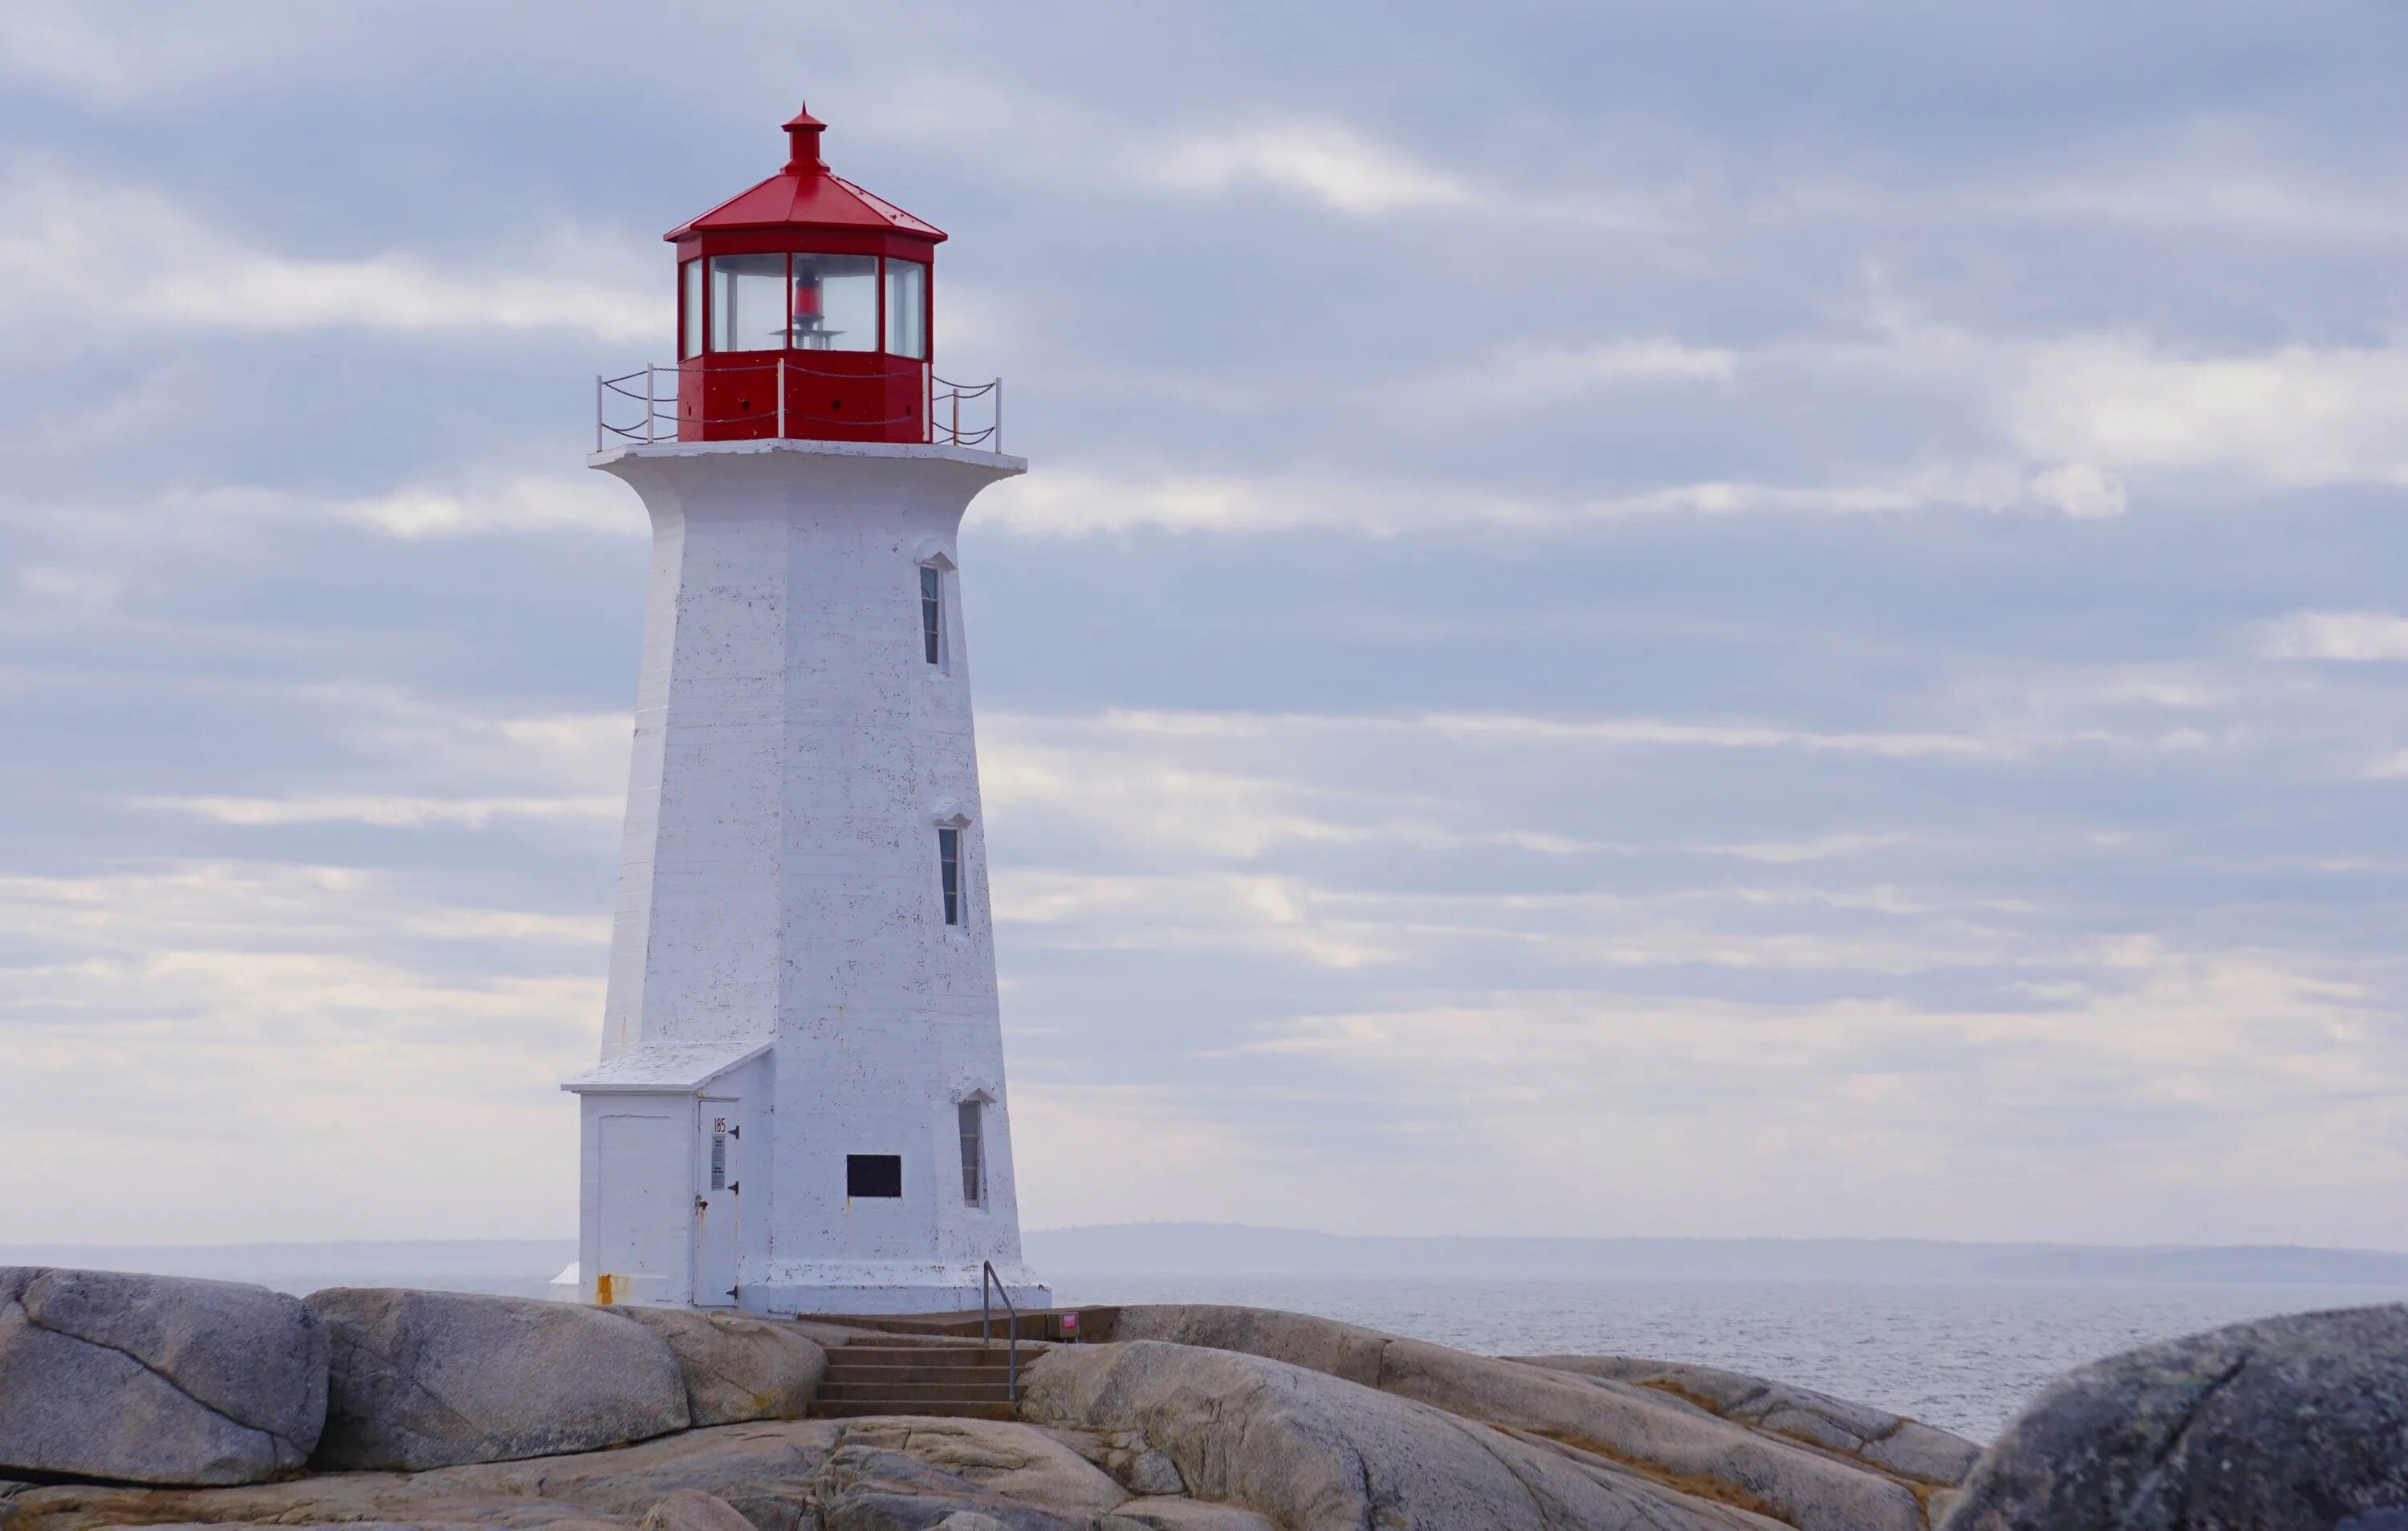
(664, 1067)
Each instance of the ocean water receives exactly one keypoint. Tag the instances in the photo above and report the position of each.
(1963, 1356)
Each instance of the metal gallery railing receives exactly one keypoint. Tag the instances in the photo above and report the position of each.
(641, 407)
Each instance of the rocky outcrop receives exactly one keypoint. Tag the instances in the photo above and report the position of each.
(1653, 1432)
(1315, 1454)
(812, 1475)
(424, 1379)
(691, 1510)
(1889, 1442)
(2296, 1423)
(156, 1378)
(737, 1369)
(452, 1410)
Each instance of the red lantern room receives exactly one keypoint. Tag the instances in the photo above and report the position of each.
(804, 310)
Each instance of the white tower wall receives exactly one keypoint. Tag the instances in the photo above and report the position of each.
(794, 757)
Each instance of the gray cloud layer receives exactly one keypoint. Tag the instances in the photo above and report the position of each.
(1694, 619)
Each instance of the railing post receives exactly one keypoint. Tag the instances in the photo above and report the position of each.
(958, 416)
(650, 415)
(597, 412)
(998, 415)
(781, 431)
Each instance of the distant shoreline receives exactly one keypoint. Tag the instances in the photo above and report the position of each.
(1239, 1249)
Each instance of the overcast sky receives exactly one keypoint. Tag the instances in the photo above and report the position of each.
(1655, 618)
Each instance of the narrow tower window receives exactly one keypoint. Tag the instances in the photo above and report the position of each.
(973, 1152)
(949, 870)
(932, 612)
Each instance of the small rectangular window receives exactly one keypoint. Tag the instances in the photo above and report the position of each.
(932, 613)
(873, 1174)
(748, 302)
(907, 310)
(689, 305)
(973, 1154)
(949, 867)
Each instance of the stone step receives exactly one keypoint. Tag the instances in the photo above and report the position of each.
(864, 1358)
(970, 1378)
(945, 1409)
(948, 1387)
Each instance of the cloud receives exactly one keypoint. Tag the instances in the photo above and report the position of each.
(403, 762)
(2190, 1064)
(2359, 636)
(262, 1039)
(131, 259)
(389, 810)
(1329, 163)
(1612, 361)
(523, 503)
(2299, 415)
(1071, 501)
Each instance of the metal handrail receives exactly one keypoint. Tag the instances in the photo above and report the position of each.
(940, 423)
(990, 1281)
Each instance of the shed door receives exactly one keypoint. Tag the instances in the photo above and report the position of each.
(718, 1171)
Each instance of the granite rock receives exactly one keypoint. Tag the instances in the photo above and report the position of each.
(156, 1378)
(433, 1378)
(2294, 1423)
(1658, 1436)
(691, 1510)
(736, 1369)
(1890, 1443)
(1315, 1454)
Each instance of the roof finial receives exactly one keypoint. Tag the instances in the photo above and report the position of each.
(803, 141)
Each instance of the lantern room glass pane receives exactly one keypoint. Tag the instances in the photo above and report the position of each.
(907, 310)
(748, 302)
(836, 302)
(689, 305)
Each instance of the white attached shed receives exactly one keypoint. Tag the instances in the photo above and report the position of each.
(670, 1134)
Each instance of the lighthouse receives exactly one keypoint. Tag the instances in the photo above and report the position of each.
(800, 1102)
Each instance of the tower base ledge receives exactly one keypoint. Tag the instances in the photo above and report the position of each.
(885, 1287)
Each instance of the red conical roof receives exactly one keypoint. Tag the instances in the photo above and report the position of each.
(805, 196)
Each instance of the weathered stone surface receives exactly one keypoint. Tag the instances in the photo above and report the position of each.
(2296, 1424)
(737, 1369)
(431, 1379)
(1891, 1442)
(1316, 1454)
(156, 1378)
(1133, 1464)
(691, 1510)
(1185, 1515)
(998, 1457)
(787, 1476)
(1667, 1438)
(769, 1472)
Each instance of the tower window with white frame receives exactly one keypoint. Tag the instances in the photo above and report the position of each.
(949, 873)
(932, 612)
(974, 1120)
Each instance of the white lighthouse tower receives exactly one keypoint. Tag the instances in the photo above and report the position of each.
(800, 1106)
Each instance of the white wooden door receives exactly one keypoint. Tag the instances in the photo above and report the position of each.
(718, 1163)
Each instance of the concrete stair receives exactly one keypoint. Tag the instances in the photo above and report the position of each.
(951, 1381)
